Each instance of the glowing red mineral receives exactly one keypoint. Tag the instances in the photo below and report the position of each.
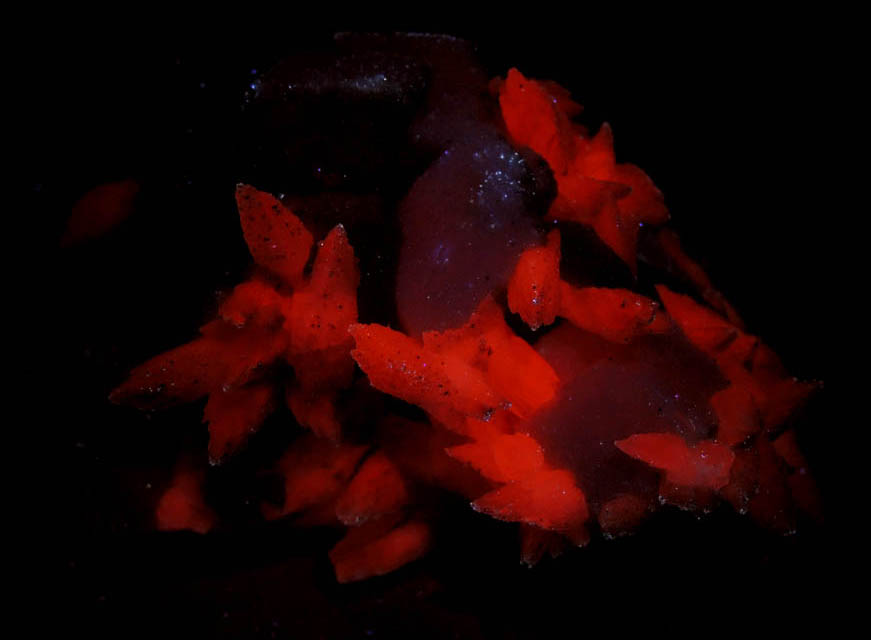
(316, 472)
(705, 465)
(534, 289)
(615, 199)
(377, 489)
(617, 315)
(378, 547)
(234, 414)
(623, 403)
(182, 506)
(262, 323)
(277, 239)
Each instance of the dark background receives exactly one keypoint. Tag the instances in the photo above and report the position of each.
(726, 114)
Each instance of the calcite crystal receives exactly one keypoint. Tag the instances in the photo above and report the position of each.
(540, 396)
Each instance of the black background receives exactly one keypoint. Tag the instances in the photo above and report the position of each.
(728, 116)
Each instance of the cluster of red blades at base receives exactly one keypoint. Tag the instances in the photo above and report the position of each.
(493, 434)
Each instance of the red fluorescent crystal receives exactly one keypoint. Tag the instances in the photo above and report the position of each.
(617, 315)
(316, 472)
(378, 489)
(626, 403)
(375, 548)
(503, 457)
(534, 288)
(549, 499)
(400, 366)
(615, 199)
(234, 414)
(315, 411)
(705, 465)
(277, 239)
(182, 506)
